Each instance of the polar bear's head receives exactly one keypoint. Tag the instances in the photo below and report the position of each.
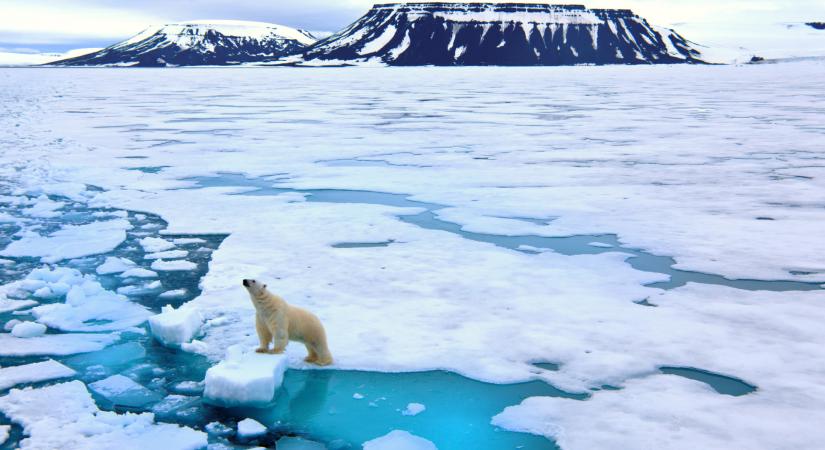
(254, 287)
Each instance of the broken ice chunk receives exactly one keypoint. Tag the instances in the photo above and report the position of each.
(174, 265)
(28, 330)
(414, 409)
(177, 293)
(176, 326)
(399, 440)
(114, 265)
(169, 254)
(244, 379)
(123, 391)
(33, 373)
(250, 428)
(154, 245)
(170, 406)
(138, 273)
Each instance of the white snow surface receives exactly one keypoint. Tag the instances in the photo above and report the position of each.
(687, 162)
(65, 416)
(72, 241)
(175, 326)
(54, 344)
(163, 265)
(399, 440)
(33, 373)
(244, 378)
(114, 265)
(250, 428)
(28, 330)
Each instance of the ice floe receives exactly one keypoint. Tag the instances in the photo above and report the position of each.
(28, 330)
(71, 241)
(250, 428)
(413, 409)
(399, 440)
(65, 416)
(176, 326)
(249, 379)
(162, 265)
(123, 391)
(54, 344)
(33, 373)
(115, 265)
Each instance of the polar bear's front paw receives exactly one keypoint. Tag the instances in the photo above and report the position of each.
(276, 351)
(261, 350)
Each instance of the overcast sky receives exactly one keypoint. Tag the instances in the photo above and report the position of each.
(59, 25)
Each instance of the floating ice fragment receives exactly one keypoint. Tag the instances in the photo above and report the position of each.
(72, 241)
(115, 265)
(176, 265)
(186, 241)
(7, 305)
(174, 327)
(357, 396)
(177, 293)
(54, 344)
(174, 404)
(218, 429)
(10, 324)
(123, 391)
(138, 273)
(33, 373)
(244, 379)
(5, 430)
(250, 428)
(399, 440)
(414, 409)
(600, 245)
(154, 245)
(28, 330)
(169, 254)
(65, 416)
(189, 387)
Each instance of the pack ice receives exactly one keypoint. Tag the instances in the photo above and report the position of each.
(249, 379)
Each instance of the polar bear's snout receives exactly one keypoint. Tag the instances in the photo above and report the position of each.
(246, 282)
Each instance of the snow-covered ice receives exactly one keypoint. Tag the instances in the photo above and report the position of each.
(413, 409)
(54, 344)
(65, 416)
(115, 265)
(138, 272)
(5, 430)
(28, 330)
(717, 167)
(71, 241)
(399, 440)
(33, 373)
(163, 265)
(250, 428)
(244, 378)
(176, 326)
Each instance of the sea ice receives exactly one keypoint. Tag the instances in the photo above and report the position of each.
(10, 324)
(154, 245)
(71, 241)
(123, 391)
(65, 416)
(174, 265)
(297, 443)
(28, 330)
(115, 265)
(7, 305)
(138, 272)
(176, 293)
(169, 254)
(413, 409)
(249, 379)
(399, 440)
(176, 326)
(54, 344)
(250, 428)
(33, 373)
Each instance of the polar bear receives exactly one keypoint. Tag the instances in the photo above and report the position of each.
(276, 320)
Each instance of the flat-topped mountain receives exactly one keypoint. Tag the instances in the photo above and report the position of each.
(514, 34)
(213, 42)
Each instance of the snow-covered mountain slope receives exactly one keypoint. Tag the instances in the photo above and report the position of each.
(213, 42)
(502, 34)
(34, 59)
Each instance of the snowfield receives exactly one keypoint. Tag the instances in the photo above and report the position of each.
(719, 167)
